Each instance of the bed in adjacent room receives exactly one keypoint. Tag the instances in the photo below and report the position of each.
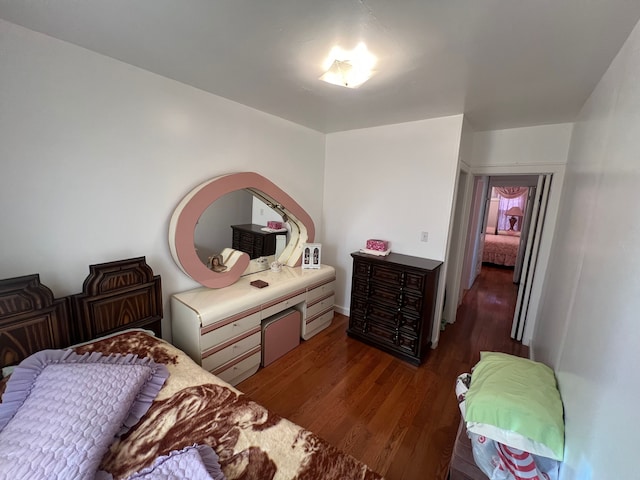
(501, 248)
(175, 412)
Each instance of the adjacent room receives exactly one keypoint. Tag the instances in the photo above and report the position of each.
(294, 239)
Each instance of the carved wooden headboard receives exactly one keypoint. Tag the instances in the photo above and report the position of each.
(115, 296)
(30, 319)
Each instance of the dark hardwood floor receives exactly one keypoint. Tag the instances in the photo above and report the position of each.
(399, 419)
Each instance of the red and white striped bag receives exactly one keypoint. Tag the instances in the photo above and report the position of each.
(500, 462)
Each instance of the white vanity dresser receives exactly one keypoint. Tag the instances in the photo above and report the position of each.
(221, 328)
(227, 325)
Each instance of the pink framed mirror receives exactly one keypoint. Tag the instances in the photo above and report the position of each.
(187, 214)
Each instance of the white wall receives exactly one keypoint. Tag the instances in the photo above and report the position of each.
(389, 182)
(95, 155)
(522, 147)
(589, 326)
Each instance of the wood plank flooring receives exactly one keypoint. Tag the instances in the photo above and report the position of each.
(399, 419)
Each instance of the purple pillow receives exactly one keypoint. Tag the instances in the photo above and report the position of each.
(61, 411)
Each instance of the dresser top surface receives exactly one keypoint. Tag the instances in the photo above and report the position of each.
(253, 228)
(212, 304)
(400, 259)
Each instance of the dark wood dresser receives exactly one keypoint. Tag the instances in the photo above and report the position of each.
(251, 239)
(393, 303)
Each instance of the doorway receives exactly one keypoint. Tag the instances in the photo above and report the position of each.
(505, 226)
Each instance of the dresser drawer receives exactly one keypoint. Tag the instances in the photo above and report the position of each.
(320, 305)
(316, 324)
(234, 373)
(382, 314)
(231, 351)
(401, 341)
(320, 291)
(415, 281)
(229, 330)
(359, 305)
(391, 276)
(410, 323)
(356, 324)
(412, 303)
(271, 309)
(360, 286)
(388, 275)
(408, 343)
(361, 268)
(389, 294)
(383, 333)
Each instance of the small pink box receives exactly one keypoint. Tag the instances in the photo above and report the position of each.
(379, 245)
(275, 225)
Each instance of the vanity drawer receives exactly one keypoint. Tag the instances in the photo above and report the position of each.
(271, 309)
(229, 330)
(316, 324)
(320, 306)
(234, 373)
(233, 350)
(321, 291)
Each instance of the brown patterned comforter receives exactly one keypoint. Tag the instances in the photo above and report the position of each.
(196, 407)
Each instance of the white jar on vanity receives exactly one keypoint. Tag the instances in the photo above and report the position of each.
(221, 328)
(220, 325)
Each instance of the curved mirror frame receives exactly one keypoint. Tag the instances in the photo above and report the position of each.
(186, 215)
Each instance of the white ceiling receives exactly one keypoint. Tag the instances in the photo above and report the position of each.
(504, 63)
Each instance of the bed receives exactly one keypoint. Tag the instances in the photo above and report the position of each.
(501, 248)
(120, 312)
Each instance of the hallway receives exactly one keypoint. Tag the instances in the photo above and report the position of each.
(487, 311)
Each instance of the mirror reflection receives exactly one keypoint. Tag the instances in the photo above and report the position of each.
(240, 221)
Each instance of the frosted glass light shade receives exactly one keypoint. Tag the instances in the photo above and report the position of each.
(349, 68)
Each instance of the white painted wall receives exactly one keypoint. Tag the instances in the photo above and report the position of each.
(95, 155)
(589, 328)
(459, 224)
(389, 182)
(522, 147)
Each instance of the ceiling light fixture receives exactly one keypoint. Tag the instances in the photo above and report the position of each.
(349, 68)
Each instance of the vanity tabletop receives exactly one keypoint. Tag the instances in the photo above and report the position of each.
(253, 228)
(213, 305)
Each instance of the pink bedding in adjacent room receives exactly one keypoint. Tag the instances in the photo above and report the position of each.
(501, 249)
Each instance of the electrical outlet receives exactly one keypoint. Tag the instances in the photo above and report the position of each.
(424, 237)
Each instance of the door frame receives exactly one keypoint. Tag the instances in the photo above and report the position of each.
(455, 254)
(534, 230)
